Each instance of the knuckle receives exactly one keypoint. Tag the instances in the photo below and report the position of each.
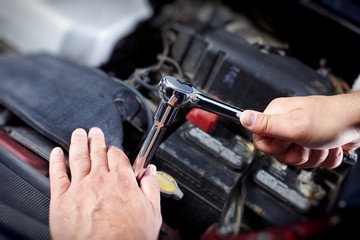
(60, 176)
(276, 105)
(80, 158)
(262, 124)
(97, 153)
(266, 126)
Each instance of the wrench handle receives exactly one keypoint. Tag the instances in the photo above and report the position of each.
(164, 116)
(217, 107)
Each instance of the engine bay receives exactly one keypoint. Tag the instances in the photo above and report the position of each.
(214, 183)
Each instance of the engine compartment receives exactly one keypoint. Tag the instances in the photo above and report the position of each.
(245, 54)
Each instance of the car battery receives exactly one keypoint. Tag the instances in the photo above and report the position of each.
(206, 167)
(280, 194)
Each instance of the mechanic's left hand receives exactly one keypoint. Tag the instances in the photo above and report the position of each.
(103, 200)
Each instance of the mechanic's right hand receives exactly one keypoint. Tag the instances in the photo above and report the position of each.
(310, 131)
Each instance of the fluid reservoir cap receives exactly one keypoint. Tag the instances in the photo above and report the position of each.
(168, 185)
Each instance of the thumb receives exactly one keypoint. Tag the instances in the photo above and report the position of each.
(264, 124)
(150, 187)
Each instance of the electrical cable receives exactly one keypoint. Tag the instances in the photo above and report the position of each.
(137, 77)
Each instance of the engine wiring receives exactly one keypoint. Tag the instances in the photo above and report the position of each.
(142, 76)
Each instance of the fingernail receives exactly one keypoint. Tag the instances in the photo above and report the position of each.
(57, 151)
(238, 114)
(95, 130)
(79, 131)
(152, 169)
(248, 118)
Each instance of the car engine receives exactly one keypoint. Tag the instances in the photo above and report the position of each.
(214, 183)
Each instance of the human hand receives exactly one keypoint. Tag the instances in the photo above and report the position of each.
(103, 200)
(310, 131)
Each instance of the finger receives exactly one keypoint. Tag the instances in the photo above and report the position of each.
(316, 158)
(295, 155)
(117, 158)
(271, 145)
(119, 162)
(79, 159)
(59, 180)
(97, 148)
(150, 187)
(350, 147)
(334, 158)
(274, 125)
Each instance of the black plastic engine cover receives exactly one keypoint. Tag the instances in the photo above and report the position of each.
(227, 66)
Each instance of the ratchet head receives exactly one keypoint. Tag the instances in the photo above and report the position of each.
(175, 92)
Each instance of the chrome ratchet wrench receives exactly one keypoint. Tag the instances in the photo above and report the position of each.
(176, 93)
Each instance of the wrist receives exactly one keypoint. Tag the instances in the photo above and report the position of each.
(352, 107)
